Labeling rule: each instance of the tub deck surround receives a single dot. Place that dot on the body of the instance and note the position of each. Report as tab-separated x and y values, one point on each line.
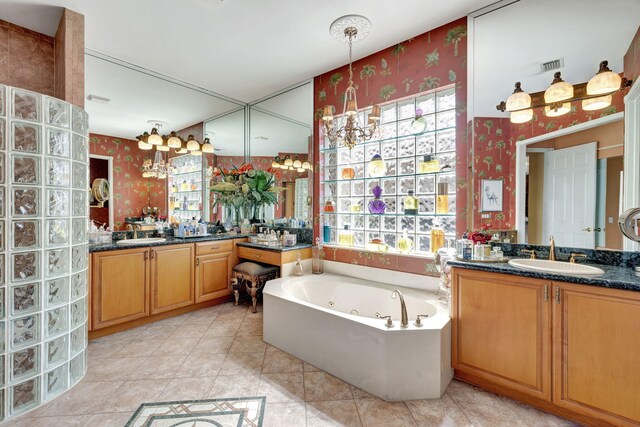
614	277
310	318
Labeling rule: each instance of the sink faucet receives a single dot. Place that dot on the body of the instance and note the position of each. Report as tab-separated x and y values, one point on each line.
135	229
552	249
404	322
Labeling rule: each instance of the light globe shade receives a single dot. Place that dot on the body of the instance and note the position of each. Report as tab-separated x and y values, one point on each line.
521	116
558	91
181	151
605	81
144	146
192	144
275	165
196	153
518	100
163	147
154	138
288	161
596	103
207	147
555	112
300	170
306	165
297	164
174	141
377	167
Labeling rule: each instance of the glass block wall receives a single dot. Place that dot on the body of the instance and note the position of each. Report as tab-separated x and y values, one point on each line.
43	248
402	150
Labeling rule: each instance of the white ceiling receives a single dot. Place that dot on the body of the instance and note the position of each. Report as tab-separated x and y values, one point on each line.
512	42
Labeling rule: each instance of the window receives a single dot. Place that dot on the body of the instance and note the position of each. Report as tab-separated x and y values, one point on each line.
347	188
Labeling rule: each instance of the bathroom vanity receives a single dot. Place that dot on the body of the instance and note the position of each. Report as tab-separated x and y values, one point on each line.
565	344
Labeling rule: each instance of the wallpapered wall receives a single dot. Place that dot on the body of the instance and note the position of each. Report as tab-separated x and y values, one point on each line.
130	192
428	61
26	59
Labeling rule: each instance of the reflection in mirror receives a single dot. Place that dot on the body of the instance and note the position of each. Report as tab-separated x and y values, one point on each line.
280	131
574	187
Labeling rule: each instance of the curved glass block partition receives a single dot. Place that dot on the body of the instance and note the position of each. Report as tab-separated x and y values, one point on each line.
43	248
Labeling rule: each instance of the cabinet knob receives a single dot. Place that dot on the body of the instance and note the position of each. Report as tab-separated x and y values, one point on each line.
256	256
197	261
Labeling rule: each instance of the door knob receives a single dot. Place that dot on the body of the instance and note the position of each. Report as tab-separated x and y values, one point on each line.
588	229
598	229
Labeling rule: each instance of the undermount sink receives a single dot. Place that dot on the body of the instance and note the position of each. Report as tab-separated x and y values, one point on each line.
547	266
141	242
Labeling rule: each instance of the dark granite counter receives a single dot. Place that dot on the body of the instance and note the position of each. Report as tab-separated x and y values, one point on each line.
170	241
614	277
274	248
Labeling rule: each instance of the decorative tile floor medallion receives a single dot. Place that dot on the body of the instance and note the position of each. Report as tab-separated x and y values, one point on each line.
225	412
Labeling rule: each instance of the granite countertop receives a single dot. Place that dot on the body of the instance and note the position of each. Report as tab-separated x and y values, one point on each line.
278	248
614	277
170	241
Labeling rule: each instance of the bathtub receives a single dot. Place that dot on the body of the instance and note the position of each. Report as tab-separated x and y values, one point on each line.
331	321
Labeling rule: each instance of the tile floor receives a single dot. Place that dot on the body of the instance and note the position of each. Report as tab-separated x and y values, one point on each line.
219	352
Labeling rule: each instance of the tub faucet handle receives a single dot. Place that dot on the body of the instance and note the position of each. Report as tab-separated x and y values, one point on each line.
418	321
389	323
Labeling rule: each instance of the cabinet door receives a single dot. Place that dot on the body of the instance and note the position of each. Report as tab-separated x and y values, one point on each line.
212	276
171	277
501	330
119	287
597	352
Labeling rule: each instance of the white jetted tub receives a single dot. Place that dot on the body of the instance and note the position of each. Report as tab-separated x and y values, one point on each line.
331	321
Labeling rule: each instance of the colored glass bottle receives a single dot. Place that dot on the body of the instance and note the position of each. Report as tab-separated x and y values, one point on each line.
405	244
377	206
345	236
410	204
437	238
419	124
442	198
429	164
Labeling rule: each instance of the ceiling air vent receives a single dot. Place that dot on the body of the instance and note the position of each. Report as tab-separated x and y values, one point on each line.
551	65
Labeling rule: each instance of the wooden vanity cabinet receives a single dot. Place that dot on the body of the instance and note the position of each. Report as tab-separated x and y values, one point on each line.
171	277
214	264
119	286
502	331
569	349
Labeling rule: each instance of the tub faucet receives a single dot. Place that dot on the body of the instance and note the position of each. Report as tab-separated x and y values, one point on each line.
404	322
552	249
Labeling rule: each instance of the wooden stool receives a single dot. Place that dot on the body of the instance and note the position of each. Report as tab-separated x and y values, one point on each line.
254	276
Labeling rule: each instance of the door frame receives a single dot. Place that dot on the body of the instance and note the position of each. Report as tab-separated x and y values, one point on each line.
631	172
109	159
521	157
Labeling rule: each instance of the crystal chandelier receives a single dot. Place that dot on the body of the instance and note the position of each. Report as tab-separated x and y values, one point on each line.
347	129
157	169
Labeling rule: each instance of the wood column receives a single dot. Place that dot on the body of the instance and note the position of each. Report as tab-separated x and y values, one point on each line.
69	58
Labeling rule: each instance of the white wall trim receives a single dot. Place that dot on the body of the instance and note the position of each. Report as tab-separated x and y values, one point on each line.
631	173
109	159
521	155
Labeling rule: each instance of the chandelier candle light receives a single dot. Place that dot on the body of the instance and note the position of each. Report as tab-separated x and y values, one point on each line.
347	129
557	98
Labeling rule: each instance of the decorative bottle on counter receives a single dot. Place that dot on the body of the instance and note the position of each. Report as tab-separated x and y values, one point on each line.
377	206
410	204
405	244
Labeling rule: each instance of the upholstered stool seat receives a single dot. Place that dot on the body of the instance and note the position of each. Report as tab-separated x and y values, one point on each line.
254	276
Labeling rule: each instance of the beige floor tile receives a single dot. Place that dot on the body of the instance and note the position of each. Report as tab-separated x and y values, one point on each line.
307	367
231	317
201	365
186	389
85	398
378	413
322	386
230	307
358	393
242	364
117	419
139	348
333	413
253	317
481	407
235	385
112	369
102	349
534	417
60	421
222	330
281	362
158	367
176	346
248	344
190	331
282	387
285	414
157	332
132	394
437	412
250	328
211	345
128	335
172	321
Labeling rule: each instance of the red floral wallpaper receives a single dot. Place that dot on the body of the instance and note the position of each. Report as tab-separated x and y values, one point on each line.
632	59
428	61
130	192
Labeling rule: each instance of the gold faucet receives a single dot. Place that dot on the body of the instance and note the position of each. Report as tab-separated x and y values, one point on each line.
404	319
552	249
135	229
575	255
530	251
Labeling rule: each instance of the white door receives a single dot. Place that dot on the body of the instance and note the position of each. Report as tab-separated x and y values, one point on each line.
569	209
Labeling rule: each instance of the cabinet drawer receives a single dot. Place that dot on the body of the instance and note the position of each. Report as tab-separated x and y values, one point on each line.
266	257
213	247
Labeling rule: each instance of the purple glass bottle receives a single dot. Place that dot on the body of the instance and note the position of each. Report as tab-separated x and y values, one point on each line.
377	206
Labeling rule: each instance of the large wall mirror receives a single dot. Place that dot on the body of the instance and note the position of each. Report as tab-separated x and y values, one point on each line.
280	130
562	176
